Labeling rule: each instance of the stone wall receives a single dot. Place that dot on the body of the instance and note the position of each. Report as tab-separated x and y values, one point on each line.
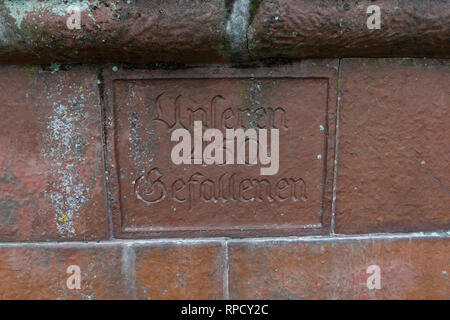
86	177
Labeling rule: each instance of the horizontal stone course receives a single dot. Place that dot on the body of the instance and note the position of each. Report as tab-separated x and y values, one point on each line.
113	271
411	267
389	173
217	31
392	160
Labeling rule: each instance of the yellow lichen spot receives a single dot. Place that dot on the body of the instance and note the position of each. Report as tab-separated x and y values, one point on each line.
63	218
422	162
31	69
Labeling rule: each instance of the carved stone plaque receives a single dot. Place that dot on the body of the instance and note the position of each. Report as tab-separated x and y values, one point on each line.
153	195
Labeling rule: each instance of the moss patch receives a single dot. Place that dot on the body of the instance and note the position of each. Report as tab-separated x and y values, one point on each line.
254	5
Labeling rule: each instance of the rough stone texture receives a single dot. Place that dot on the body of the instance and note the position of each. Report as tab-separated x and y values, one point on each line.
329	28
51	171
141	31
393	171
143	177
410	269
113	271
180	271
316	268
199	31
40	272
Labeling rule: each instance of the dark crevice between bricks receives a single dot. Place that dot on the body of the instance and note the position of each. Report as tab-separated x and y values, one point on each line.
101	93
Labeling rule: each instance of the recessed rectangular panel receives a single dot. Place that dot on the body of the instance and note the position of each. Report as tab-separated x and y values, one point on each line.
155	195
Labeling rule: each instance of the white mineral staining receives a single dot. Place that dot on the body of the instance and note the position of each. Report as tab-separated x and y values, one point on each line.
65	140
237	26
19	9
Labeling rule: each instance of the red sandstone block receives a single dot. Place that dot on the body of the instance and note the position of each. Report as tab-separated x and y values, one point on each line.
51	171
112	271
329	28
134	32
177	271
151	196
40	272
409	269
393	166
211	31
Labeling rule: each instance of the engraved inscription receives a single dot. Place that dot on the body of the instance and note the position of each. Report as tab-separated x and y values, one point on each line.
151	189
168	112
218	183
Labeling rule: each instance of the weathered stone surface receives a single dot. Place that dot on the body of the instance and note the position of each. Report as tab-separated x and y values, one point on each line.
41	272
139	31
321	268
409	269
112	271
329	28
180	271
51	170
198	31
393	171
152	196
